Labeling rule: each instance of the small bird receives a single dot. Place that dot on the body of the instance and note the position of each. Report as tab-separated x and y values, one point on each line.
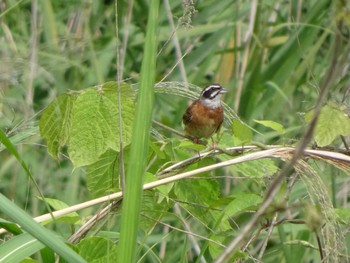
205	115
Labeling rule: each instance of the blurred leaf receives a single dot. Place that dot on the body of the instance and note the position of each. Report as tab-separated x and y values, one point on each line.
276	41
19	247
273	125
197	191
241	202
102	176
332	122
186	144
242	131
36	230
56	204
97	250
343	215
10	226
256	168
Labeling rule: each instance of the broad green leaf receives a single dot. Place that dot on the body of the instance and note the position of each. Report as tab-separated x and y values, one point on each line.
95	122
102	176
273	125
55	123
332	122
56	204
201	194
19	247
97	250
241	202
242	131
201	191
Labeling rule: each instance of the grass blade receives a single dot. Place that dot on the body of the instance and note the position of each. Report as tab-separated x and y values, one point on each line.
140	140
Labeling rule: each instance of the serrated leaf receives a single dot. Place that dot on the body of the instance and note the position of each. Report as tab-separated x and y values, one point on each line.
272	124
55	123
95	125
332	122
242	131
241	203
97	250
102	175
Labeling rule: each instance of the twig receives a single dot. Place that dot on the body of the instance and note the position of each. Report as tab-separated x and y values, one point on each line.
280	152
267	237
84	229
319	243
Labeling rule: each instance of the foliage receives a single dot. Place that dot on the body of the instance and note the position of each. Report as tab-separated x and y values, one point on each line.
71	79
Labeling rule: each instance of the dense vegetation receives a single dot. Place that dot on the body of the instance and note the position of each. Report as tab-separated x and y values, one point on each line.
92	95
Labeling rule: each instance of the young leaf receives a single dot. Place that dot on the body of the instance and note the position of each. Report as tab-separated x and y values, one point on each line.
273	125
56	204
241	203
332	122
242	131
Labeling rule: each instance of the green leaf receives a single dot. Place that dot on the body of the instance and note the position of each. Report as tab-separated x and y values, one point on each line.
97	250
95	125
139	149
242	131
45	236
102	176
241	202
19	247
332	122
186	144
10	226
163	189
197	191
56	204
257	168
343	215
273	125
55	123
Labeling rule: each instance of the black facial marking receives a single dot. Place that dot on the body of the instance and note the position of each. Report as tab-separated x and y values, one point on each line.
211	91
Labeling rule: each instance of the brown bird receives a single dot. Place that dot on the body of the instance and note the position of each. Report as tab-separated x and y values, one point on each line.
205	115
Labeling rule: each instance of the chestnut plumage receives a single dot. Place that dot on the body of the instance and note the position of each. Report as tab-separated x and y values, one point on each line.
205	115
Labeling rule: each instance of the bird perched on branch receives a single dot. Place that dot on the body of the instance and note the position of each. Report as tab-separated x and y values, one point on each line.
205	115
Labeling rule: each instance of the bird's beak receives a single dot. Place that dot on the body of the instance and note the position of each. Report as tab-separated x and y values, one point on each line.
223	91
